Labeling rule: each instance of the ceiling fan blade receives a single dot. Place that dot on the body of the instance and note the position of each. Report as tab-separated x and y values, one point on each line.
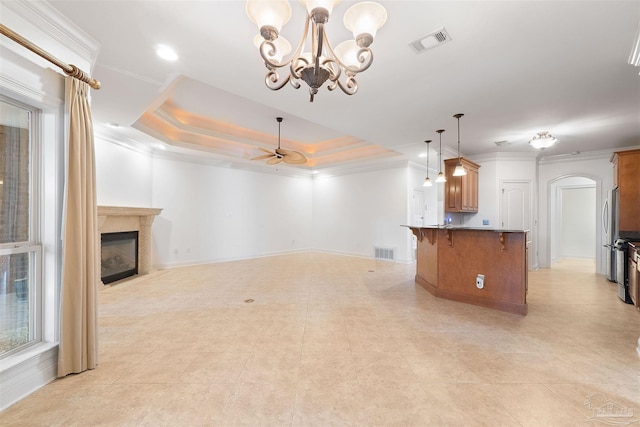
294	157
264	156
265	150
274	160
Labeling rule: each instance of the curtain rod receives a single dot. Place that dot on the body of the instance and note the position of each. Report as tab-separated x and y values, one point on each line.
69	69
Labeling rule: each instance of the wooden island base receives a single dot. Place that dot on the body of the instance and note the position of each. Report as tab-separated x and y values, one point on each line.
449	261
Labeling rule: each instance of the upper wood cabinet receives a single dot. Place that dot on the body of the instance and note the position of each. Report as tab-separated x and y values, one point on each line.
626	176
461	192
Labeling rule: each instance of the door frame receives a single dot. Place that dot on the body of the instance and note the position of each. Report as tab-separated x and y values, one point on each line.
600	260
533	222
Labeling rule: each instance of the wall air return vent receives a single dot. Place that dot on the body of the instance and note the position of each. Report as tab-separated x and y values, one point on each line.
384	253
430	41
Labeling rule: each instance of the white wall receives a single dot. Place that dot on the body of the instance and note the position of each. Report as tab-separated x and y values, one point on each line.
494	169
215	214
354	213
123	176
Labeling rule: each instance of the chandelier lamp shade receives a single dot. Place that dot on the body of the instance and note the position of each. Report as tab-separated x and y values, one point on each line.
542	140
322	63
427	181
440	177
459	170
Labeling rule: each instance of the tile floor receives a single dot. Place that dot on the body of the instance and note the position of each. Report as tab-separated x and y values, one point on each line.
332	340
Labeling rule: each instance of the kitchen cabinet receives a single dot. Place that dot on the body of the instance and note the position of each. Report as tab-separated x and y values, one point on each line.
461	192
626	170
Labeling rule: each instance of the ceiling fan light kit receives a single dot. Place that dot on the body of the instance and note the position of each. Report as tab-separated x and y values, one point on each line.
339	66
280	154
543	140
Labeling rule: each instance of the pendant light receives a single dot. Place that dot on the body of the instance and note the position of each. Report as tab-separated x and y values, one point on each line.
459	170
440	177
427	181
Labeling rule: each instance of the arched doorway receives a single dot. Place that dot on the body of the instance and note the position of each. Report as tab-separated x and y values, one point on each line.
573	222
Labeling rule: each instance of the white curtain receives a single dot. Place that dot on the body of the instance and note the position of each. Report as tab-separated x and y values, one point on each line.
78	349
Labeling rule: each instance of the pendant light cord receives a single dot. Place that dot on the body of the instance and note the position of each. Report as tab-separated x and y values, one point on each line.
458	139
457	116
440	153
428	157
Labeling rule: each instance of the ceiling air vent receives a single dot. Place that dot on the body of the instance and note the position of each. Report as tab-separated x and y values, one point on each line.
430	41
502	143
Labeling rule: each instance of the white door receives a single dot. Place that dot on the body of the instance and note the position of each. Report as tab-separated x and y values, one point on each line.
515	205
418	207
515	209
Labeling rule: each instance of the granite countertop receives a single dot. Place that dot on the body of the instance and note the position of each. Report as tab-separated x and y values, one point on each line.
453	227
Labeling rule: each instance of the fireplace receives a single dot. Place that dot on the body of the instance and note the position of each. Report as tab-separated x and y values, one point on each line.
119	219
118	256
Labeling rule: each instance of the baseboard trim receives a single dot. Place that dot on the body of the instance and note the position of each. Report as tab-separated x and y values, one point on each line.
23	378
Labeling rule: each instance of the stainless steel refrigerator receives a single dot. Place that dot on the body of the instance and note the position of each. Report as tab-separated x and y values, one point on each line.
610	226
616	245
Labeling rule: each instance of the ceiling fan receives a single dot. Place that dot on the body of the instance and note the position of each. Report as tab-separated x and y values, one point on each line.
280	154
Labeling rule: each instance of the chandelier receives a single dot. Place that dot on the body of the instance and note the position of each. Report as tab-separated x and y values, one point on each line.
542	140
339	66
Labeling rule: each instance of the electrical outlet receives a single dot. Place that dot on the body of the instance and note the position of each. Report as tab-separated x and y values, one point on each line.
480	281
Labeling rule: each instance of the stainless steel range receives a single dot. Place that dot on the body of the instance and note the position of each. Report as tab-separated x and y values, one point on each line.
622	269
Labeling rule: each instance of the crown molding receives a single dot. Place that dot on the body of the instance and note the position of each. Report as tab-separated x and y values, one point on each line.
137	147
587	155
504	156
228	163
358	167
50	22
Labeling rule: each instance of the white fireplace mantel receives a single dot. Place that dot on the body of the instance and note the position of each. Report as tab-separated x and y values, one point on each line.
113	219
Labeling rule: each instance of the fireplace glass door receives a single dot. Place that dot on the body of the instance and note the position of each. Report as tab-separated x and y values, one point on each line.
119	256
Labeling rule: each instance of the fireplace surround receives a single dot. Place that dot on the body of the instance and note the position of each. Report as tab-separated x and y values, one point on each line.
117	219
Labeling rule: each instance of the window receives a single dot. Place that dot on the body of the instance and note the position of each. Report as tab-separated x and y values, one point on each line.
20	252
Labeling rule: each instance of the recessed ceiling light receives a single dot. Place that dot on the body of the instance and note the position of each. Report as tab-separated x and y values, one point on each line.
165	52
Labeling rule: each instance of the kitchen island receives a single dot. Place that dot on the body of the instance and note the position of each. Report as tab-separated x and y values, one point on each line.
480	266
